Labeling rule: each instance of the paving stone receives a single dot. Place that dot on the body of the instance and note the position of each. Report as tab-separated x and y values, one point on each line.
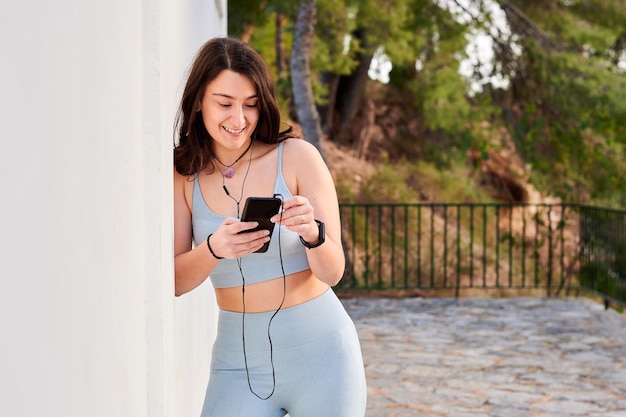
514	357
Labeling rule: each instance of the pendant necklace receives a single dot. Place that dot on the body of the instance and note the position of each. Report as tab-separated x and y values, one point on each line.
229	171
225	174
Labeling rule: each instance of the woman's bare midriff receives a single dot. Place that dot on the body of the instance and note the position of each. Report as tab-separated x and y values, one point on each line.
266	296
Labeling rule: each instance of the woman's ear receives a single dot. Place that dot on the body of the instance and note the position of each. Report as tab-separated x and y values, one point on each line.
197	105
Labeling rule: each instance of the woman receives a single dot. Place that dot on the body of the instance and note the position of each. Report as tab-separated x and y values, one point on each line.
284	344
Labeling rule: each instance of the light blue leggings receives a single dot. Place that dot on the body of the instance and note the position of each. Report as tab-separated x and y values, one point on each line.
317	361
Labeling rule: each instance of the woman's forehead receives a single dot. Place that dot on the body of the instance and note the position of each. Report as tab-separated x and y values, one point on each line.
232	84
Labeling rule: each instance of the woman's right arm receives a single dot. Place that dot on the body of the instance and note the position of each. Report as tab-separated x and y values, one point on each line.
191	266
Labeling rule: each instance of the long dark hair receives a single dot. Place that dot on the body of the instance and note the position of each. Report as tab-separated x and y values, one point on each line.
194	152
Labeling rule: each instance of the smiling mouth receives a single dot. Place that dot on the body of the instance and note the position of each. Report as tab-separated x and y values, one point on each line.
234	131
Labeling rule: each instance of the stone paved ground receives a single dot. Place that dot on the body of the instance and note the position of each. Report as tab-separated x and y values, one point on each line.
515	357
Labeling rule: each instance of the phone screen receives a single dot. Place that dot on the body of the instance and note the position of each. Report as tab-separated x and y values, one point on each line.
260	209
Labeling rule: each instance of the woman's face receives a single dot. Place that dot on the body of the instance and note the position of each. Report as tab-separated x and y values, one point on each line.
230	110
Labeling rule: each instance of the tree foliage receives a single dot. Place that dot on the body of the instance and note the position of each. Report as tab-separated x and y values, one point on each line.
568	97
555	79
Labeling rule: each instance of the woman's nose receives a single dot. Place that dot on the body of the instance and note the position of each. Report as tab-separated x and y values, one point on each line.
238	118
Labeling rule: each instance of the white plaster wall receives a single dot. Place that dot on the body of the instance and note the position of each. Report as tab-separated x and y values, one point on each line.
88	322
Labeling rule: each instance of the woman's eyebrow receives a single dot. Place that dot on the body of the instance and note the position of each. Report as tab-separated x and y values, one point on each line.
232	98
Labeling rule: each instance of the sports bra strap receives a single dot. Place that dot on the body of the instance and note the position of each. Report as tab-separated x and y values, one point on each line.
280	156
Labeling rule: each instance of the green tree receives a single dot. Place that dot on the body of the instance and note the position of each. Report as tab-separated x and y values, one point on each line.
556	82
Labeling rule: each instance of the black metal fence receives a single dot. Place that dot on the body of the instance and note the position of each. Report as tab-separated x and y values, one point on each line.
543	249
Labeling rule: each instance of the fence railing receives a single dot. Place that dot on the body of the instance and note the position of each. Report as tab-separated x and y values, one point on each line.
547	249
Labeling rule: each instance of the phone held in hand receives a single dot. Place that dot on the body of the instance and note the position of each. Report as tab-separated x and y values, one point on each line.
260	210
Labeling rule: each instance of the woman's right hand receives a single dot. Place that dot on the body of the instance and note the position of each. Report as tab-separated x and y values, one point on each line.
231	240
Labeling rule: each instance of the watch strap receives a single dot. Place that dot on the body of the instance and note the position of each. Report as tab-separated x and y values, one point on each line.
321	239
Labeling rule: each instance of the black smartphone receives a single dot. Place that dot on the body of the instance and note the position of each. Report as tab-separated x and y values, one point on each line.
260	209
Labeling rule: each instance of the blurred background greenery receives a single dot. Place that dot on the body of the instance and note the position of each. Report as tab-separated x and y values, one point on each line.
459	100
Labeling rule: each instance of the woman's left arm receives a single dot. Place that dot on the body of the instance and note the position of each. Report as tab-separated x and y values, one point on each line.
315	198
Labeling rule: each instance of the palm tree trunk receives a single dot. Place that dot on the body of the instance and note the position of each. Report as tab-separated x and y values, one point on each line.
280	45
301	74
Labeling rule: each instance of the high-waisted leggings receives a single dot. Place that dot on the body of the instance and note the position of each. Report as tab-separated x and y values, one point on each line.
317	364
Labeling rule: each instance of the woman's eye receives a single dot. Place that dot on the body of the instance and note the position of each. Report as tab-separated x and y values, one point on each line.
252	106
224	105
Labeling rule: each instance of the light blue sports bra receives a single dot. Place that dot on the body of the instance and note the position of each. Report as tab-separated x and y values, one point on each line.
256	267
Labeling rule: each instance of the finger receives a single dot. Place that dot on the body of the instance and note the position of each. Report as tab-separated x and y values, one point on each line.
301	219
245	237
243	243
253	242
294	201
229	221
256	244
244	227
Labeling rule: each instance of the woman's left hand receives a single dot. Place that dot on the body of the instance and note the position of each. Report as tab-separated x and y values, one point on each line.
298	216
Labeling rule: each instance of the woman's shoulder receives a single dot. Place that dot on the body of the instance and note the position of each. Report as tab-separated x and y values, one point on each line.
184	183
183	178
302	157
298	146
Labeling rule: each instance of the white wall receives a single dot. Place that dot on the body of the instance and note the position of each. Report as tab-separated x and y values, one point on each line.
89	325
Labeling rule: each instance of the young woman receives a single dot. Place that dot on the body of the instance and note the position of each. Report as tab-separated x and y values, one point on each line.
284	344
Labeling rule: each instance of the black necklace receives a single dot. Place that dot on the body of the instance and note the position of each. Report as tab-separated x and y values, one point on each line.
243	183
229	171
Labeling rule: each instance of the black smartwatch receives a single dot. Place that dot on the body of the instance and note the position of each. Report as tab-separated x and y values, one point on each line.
321	239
